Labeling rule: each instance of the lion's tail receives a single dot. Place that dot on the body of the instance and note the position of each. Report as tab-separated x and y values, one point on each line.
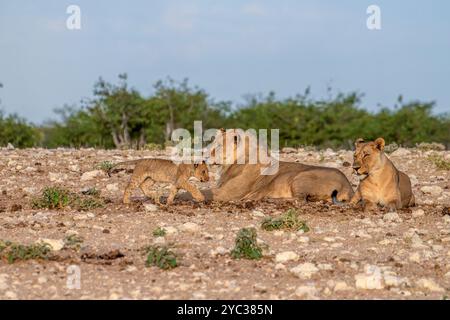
124	163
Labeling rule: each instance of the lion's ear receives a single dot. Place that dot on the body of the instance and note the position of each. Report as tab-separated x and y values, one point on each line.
359	141
195	165
380	143
222	130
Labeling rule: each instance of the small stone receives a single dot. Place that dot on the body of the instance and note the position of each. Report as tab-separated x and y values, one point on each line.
306	292
219	251
341	286
258	213
286	256
418	213
42	280
415	257
57	177
370	279
112	187
304	270
430	285
91	175
55	244
432	190
150	207
303	239
9	146
170	230
392	217
190	227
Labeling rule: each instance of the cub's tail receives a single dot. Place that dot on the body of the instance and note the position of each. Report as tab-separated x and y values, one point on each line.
124	163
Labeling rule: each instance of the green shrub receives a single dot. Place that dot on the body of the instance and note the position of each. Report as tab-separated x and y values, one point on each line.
73	241
439	162
105	166
14	251
159	232
246	245
53	198
287	221
161	257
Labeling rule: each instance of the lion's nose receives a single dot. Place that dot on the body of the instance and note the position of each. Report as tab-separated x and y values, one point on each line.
356	166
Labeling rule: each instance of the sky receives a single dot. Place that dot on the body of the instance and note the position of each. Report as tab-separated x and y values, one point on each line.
229	48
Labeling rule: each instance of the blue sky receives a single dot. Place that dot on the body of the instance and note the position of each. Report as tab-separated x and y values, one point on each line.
229	48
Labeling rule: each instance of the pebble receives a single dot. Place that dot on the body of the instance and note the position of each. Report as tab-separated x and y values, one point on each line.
342	286
286	256
55	244
418	213
392	217
150	207
304	270
190	227
91	175
432	190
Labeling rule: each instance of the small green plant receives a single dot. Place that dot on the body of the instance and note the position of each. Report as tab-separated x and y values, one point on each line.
153	147
159	232
53	198
246	245
73	241
161	257
89	203
105	166
439	162
287	221
14	251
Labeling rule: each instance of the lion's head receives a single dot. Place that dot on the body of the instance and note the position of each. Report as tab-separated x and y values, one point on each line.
367	156
201	171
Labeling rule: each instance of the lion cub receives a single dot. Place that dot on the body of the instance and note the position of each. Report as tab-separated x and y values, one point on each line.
149	171
380	181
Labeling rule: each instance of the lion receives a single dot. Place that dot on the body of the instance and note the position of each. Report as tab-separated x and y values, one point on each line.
241	180
380	181
149	171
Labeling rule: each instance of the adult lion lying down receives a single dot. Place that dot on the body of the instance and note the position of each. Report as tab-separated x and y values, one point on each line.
381	182
291	180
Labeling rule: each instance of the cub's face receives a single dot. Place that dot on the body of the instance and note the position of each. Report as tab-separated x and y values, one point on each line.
367	156
223	149
201	172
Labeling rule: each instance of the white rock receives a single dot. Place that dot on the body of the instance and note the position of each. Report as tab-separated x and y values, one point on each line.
190	227
304	270
303	239
415	257
91	175
9	146
400	152
286	256
150	207
55	244
219	251
171	230
342	286
258	213
306	292
392	217
370	279
112	187
57	177
430	285
431	190
418	213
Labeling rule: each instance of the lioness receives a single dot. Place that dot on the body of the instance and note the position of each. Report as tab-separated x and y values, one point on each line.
149	171
381	182
291	180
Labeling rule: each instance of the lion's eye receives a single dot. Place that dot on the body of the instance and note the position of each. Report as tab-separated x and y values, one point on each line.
366	155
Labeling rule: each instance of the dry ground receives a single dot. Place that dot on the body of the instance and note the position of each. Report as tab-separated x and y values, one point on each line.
347	253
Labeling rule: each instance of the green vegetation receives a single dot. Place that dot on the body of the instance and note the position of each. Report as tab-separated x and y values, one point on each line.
105	166
159	232
73	241
161	257
118	116
287	221
14	251
59	198
53	198
439	162
246	245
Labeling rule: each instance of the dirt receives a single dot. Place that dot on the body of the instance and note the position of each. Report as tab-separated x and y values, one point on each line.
347	254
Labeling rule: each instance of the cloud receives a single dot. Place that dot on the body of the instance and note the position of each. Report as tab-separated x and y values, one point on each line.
180	17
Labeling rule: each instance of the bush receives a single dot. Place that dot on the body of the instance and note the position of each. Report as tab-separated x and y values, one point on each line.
53	198
246	245
288	221
14	251
439	162
160	257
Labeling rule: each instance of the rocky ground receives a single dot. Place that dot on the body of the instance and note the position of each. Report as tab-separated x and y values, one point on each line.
347	254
